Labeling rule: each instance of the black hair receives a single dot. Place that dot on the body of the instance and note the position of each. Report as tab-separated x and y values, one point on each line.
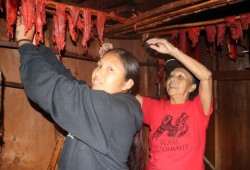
131	66
196	81
138	153
136	158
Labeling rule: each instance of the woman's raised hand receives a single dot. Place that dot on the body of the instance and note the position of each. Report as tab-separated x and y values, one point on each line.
105	47
21	37
161	45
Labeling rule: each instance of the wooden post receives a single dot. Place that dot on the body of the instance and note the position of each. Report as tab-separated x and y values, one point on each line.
216	127
56	152
0	93
1	116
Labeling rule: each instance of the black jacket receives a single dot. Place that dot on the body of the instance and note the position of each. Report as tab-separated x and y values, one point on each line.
101	126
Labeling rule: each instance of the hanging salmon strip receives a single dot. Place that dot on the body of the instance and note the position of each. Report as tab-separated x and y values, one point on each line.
72	22
235	27
183	40
174	33
74	12
1	5
59	27
210	33
232	49
87	27
11	15
101	18
27	10
40	19
80	23
221	31
245	20
193	34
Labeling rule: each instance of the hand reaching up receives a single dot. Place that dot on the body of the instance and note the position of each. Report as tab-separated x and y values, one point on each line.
105	47
161	45
21	38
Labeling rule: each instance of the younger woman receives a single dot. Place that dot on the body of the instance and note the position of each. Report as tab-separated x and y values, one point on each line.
101	121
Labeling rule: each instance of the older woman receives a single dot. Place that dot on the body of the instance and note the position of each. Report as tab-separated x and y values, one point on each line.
178	126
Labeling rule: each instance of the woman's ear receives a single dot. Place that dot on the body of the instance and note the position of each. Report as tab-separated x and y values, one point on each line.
193	87
128	85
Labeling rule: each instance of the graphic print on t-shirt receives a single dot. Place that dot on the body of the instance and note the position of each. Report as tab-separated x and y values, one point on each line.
178	129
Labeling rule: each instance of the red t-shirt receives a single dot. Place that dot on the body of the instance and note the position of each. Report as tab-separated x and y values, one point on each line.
177	134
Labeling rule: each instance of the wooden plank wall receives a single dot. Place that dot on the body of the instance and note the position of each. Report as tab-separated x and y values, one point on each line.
29	135
25	131
234	124
233	94
1	114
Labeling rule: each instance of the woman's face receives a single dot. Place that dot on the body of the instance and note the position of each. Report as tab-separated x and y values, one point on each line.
180	83
109	75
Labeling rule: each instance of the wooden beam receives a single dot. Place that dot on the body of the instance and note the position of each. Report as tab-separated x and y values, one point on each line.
11	84
8	44
152	23
231	75
129	24
167	29
167	17
111	16
13	45
127	37
68	54
217	75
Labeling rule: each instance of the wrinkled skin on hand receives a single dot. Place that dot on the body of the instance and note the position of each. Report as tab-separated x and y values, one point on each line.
20	31
105	47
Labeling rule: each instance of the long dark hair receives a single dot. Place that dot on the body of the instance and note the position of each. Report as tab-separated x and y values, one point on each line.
196	81
137	156
136	159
